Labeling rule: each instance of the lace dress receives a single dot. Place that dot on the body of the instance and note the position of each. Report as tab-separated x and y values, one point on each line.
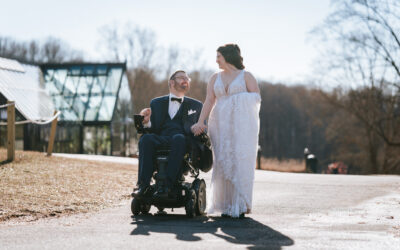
233	128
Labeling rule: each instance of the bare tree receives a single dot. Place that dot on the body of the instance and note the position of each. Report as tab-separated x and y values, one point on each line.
33	51
52	50
364	59
129	43
111	40
173	54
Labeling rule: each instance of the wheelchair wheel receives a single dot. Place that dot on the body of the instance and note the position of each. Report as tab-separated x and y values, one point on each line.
145	208
199	187
135	206
190	206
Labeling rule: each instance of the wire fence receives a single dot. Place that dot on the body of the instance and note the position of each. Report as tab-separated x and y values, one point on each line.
38	122
6	105
11	129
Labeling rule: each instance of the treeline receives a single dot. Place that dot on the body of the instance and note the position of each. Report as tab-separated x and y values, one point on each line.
51	50
334	125
295	117
288	125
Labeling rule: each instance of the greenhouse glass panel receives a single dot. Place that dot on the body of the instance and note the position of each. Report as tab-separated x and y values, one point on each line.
60	75
75	71
107	108
91	112
114	80
51	88
70	86
90	90
101	70
49	76
103	83
96	87
84	85
88	70
124	92
79	107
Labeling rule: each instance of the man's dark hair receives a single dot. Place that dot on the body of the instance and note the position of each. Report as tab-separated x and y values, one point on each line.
175	73
231	53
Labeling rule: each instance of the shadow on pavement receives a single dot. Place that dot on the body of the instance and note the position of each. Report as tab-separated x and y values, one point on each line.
237	231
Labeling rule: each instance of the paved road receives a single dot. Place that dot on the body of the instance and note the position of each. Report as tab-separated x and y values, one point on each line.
293	211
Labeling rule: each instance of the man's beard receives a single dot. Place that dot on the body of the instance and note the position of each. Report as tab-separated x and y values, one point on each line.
181	88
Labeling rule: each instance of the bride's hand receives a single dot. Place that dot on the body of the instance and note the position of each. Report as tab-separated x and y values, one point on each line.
198	128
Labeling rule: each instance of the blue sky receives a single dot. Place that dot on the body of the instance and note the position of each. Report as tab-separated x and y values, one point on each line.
271	34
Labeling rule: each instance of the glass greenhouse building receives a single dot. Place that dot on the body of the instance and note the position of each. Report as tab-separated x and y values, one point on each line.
96	110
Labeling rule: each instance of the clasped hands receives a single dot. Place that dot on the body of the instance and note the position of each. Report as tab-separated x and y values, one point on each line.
198	128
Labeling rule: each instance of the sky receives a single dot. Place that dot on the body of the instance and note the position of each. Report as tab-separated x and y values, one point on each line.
273	35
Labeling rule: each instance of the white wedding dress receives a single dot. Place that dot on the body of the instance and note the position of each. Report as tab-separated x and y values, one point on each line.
233	127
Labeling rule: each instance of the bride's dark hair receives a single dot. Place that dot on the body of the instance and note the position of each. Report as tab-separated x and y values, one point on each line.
231	53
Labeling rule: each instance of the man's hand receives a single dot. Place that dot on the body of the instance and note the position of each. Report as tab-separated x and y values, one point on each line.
146	113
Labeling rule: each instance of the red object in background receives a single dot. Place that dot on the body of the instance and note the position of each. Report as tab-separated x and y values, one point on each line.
337	168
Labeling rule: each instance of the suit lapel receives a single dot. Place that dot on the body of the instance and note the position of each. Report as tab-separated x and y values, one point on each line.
184	108
164	109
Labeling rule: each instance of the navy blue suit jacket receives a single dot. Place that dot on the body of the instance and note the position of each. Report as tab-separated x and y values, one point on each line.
159	112
201	149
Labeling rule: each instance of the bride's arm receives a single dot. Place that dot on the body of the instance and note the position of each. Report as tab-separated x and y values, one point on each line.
200	126
210	100
251	83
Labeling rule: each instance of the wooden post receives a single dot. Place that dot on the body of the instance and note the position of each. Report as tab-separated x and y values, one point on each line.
11	131
52	135
259	157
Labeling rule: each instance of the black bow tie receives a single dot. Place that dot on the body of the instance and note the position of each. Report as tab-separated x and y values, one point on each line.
176	99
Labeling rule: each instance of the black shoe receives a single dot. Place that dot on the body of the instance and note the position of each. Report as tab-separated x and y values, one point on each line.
140	192
241	216
225	216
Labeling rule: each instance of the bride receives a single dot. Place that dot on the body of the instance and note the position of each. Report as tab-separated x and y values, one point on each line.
232	104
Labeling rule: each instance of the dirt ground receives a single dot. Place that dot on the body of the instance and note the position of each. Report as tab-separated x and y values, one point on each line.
36	186
293	166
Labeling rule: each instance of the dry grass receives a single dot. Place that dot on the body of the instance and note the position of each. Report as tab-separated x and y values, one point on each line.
35	186
282	166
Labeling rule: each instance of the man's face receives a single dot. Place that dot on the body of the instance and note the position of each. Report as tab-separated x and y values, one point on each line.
181	83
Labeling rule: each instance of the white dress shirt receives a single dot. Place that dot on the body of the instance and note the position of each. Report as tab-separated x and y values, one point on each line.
173	108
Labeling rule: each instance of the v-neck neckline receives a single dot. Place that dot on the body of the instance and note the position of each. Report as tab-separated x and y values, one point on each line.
228	86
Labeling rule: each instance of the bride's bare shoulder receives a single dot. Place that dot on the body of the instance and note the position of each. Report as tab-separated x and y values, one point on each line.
248	75
213	78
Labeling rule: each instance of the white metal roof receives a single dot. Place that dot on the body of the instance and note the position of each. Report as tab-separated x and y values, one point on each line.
11	65
22	83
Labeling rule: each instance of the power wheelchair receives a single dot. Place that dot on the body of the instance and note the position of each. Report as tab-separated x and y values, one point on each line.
191	195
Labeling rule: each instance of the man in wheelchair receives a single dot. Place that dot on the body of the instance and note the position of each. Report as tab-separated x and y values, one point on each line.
167	140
